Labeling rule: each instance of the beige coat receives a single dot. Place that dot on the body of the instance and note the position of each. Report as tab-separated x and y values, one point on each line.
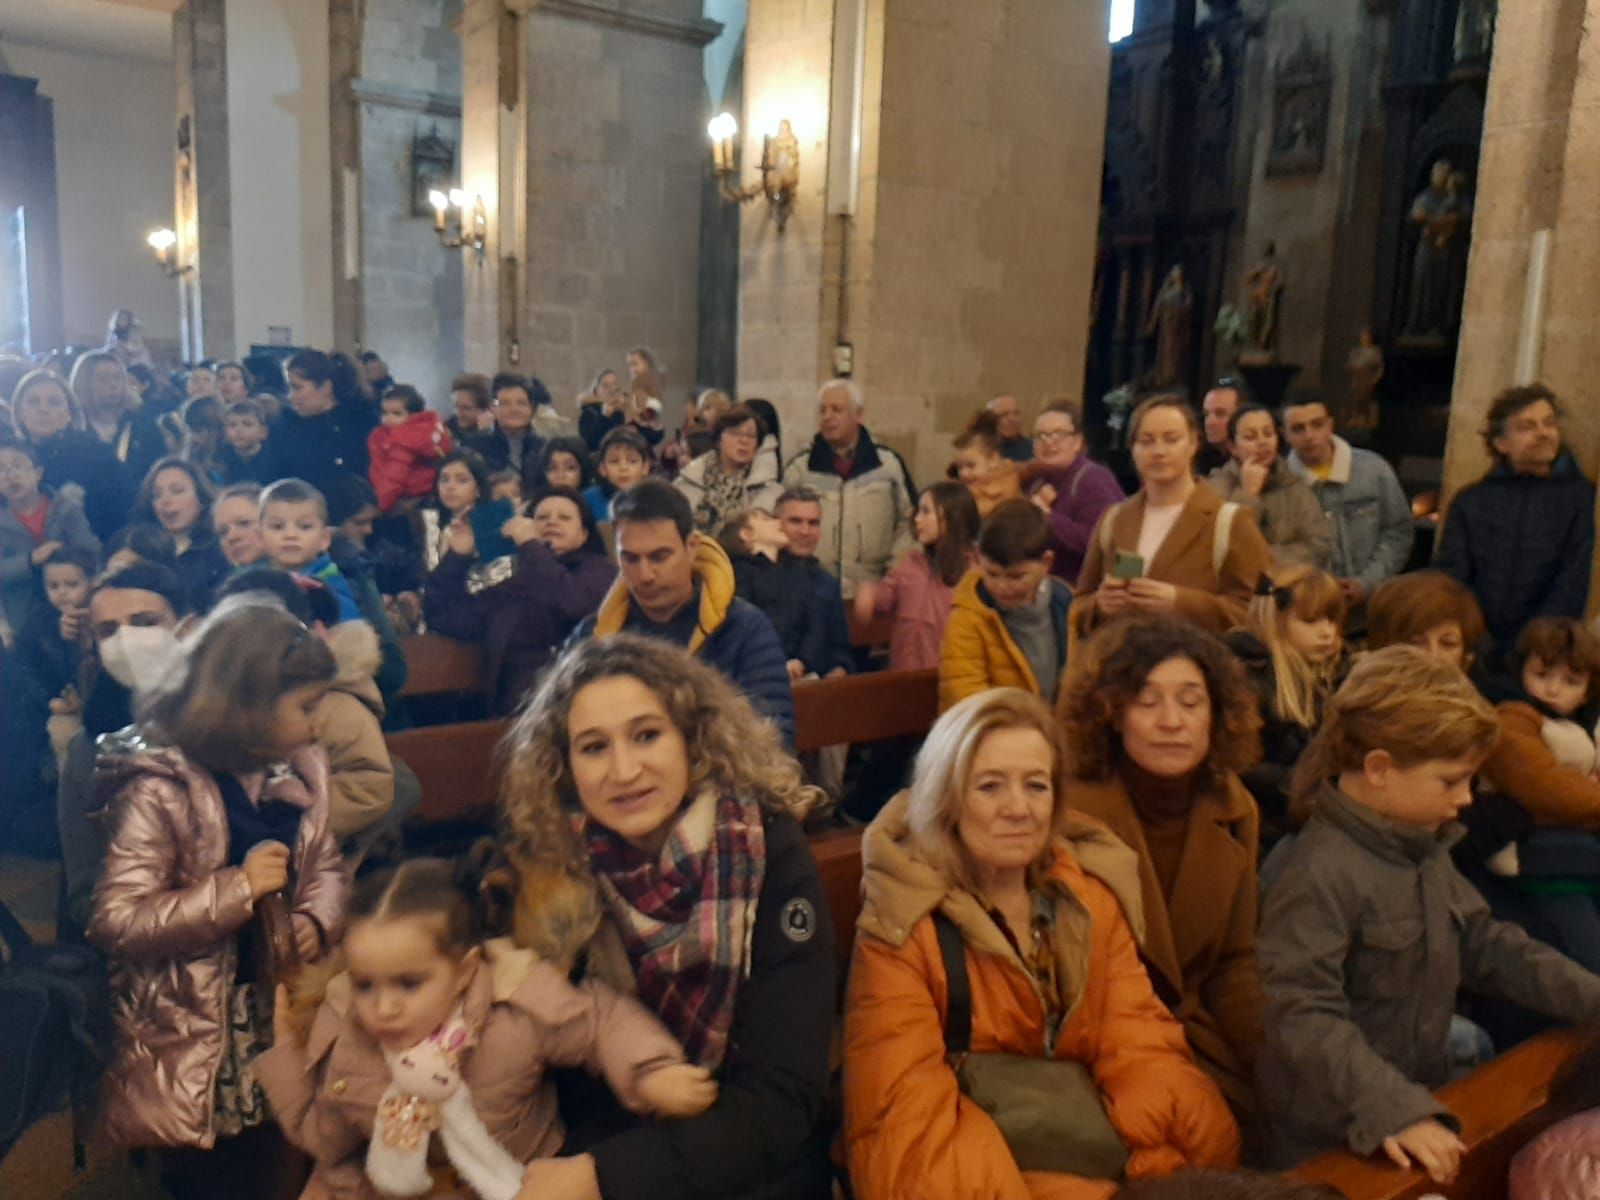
1201	945
346	726
165	912
325	1093
1212	600
1286	511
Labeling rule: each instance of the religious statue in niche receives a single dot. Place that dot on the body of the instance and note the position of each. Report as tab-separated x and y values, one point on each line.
1263	299
1302	91
1440	214
1474	34
1172	324
1364	369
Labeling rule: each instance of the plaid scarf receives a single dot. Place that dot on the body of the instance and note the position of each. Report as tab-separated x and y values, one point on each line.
687	915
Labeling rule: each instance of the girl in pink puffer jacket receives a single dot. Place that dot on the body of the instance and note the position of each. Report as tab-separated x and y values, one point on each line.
218	801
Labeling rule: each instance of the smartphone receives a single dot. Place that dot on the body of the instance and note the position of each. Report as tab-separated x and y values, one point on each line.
1127	566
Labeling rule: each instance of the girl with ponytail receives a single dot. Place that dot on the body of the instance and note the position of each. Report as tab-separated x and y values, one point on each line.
322	435
434	1028
1369	930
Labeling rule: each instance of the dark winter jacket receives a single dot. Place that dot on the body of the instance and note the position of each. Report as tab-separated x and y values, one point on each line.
784	594
774	1081
824	587
594	424
1524	545
202	567
1365	938
137	444
322	448
361	575
495	450
73	456
722	630
49	659
262	467
522	621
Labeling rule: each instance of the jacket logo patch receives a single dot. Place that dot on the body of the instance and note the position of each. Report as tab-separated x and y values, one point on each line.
799	920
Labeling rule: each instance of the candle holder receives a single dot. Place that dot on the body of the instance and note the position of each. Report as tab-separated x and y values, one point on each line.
780	166
164	242
459	223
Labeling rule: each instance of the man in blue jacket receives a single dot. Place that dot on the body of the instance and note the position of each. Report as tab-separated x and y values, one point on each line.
678	586
1522	538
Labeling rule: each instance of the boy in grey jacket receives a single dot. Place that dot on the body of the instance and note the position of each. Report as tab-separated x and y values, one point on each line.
1370	930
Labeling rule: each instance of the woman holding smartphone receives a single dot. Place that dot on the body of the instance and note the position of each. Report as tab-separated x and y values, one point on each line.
1174	547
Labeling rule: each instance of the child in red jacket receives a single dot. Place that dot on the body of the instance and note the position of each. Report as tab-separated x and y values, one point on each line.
405	448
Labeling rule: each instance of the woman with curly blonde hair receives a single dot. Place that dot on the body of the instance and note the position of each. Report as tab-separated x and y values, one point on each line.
653	819
1159	720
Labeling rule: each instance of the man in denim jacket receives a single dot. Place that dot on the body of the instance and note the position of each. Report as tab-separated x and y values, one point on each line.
1359	491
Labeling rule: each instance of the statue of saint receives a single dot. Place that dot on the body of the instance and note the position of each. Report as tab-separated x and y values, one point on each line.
1263	298
1364	368
1438	213
1474	36
1172	323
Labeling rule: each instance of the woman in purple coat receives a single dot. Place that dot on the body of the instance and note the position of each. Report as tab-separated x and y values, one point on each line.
521	610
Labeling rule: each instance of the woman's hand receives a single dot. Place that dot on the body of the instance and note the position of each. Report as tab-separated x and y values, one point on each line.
560	1179
1044	498
266	869
681	1090
1151	596
520	530
1113	598
460	540
307	938
1253	476
1428	1145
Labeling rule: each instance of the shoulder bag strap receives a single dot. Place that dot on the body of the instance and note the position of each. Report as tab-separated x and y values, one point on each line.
1221	535
958	1014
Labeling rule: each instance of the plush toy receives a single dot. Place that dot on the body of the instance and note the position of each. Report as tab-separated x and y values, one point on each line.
428	1095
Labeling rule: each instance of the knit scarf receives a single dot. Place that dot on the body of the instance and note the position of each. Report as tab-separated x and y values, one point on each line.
687	915
428	1095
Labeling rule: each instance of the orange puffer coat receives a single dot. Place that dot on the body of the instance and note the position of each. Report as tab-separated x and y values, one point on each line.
165	912
910	1134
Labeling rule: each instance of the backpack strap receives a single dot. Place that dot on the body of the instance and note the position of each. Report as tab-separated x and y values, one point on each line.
958	1010
1221	535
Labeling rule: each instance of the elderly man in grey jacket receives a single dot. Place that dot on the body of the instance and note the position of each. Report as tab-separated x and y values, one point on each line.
1372	525
867	495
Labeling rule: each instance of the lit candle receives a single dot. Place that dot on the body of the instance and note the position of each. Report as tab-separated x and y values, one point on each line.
440	202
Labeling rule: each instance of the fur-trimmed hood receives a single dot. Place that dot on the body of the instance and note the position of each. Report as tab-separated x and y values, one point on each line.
357	653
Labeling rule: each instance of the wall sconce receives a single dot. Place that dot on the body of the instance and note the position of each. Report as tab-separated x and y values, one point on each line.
459	228
165	244
780	166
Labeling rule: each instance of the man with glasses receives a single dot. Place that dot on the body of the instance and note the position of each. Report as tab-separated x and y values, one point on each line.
1522	537
1372	529
1070	489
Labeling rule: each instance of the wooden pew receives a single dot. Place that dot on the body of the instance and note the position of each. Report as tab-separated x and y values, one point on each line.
439	665
457	766
838	855
1502	1106
856	709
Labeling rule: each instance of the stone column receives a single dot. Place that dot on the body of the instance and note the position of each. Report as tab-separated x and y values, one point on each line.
204	208
491	79
966	267
345	21
612	143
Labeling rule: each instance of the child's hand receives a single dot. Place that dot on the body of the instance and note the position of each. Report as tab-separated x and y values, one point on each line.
796	668
67	703
1428	1145
681	1090
1044	498
266	869
307	939
72	620
43	551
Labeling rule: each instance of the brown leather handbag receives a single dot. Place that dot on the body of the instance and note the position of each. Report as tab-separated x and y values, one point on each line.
279	953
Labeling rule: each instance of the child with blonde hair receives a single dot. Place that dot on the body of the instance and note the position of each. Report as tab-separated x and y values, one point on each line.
1292	646
1370	930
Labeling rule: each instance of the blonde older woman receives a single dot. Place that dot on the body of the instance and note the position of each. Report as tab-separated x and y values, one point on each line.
645	799
1048	922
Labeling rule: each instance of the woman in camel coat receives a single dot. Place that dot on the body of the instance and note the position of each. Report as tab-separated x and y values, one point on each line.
1159	719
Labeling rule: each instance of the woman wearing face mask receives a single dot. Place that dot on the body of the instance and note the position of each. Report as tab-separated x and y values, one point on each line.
1159	720
560	576
177	497
47	415
1258	480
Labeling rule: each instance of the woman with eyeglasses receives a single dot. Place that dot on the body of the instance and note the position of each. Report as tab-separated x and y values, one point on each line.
1067	486
731	476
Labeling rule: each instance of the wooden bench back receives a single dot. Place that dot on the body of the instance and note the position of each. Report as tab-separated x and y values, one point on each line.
857	709
439	665
457	767
1502	1107
838	855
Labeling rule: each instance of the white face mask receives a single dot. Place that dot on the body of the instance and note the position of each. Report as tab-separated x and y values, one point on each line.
136	656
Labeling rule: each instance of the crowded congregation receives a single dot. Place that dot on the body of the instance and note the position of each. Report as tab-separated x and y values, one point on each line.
552	741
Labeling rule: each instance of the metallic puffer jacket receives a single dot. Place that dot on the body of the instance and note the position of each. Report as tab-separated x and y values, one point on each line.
165	911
